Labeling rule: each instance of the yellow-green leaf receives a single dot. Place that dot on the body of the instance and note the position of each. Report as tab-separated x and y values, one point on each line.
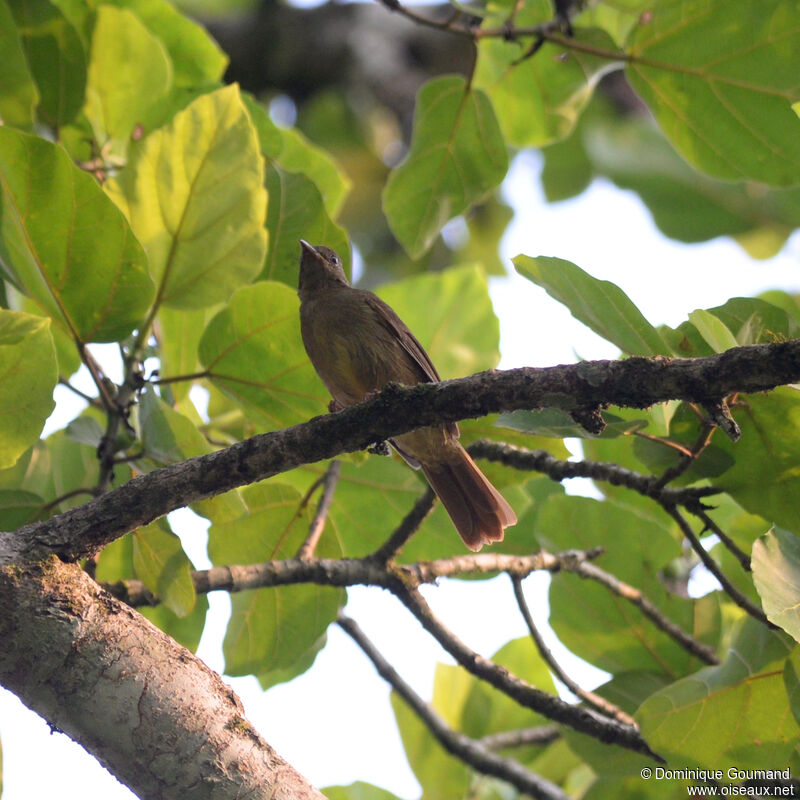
457	156
194	193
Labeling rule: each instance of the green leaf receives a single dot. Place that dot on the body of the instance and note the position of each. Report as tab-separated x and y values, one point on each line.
539	99
719	78
28	376
252	350
764	478
116	563
686	205
295	212
452	316
161	564
558	424
601	305
743	700
55	58
195	197
196	57
167	435
272	630
65	244
601	627
85	430
358	791
18	93
129	70
713	330
439	773
18	508
457	156
297	154
617	18
179	333
776	572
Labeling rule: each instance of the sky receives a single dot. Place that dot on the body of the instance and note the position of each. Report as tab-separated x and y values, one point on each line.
606	232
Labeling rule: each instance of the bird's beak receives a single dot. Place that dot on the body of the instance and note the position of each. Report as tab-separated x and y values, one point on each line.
309	248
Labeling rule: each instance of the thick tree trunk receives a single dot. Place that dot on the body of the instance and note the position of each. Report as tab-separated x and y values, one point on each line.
151	712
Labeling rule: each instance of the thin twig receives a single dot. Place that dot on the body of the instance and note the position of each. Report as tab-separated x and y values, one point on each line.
689	458
475	753
446	24
329	481
558	470
600	703
406	529
741	600
366	571
505	740
700	512
92	401
681	448
585	720
193	376
635	596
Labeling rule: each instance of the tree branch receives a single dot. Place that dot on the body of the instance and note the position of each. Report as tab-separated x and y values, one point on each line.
581	719
600	703
73	653
473	752
638	382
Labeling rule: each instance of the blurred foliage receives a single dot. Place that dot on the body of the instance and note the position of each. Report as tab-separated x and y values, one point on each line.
147	202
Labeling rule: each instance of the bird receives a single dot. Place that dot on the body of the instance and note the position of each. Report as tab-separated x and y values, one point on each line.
358	344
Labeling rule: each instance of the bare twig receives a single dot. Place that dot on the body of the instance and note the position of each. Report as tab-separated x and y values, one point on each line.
541	734
475	753
406	529
682	464
194	376
542	461
635	596
600	703
92	401
710	525
355	572
741	600
329	481
585	720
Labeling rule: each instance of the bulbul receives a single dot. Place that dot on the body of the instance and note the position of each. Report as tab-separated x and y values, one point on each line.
357	345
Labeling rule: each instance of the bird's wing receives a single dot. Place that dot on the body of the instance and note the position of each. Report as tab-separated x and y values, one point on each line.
411	345
407	340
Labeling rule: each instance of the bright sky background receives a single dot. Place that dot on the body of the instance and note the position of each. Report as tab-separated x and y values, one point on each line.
609	234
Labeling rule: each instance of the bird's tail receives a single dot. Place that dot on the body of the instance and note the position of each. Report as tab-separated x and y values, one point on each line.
478	510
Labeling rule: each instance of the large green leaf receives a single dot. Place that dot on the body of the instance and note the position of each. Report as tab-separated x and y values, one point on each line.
686	205
296	211
358	791
129	70
601	305
65	244
18	508
539	99
196	57
457	156
163	567
720	78
116	563
764	478
28	376
452	316
195	197
252	350
742	701
55	58
439	773
297	154
18	93
776	572
601	627
273	631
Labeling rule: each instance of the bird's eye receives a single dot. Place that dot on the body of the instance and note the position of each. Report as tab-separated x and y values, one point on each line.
335	261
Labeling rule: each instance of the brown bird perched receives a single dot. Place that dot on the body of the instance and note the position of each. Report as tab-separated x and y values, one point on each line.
357	345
